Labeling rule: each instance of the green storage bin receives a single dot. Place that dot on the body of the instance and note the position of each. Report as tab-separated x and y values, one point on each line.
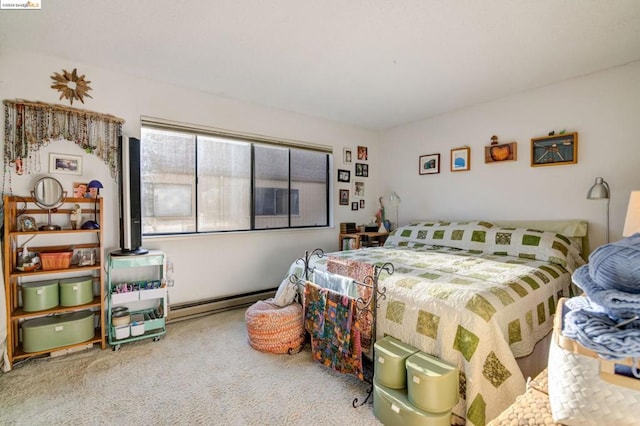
76	291
432	383
41	334
390	356
40	295
392	407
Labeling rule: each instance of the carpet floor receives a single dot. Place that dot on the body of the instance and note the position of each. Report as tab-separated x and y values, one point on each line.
202	371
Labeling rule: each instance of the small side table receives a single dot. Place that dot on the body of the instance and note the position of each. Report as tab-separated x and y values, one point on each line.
362	239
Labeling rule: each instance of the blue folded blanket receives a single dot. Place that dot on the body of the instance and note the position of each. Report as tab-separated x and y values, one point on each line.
595	330
616	266
617	304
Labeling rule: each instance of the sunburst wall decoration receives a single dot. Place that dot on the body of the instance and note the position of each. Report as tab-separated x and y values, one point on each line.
71	86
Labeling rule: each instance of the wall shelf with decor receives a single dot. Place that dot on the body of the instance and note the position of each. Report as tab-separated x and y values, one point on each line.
56	305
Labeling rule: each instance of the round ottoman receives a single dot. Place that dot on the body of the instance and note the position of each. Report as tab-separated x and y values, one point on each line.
275	329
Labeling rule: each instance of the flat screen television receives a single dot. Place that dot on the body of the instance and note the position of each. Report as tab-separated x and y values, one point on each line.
130	198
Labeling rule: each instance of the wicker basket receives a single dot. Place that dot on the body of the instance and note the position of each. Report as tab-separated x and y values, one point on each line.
275	329
56	260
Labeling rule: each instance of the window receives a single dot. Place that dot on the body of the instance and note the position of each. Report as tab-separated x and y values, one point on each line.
196	181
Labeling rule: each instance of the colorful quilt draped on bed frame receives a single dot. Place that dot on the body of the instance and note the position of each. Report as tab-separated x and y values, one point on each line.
472	294
331	320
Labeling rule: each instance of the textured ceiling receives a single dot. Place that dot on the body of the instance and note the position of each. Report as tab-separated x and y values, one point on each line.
374	64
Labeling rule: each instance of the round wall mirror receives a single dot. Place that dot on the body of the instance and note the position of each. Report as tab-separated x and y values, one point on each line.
48	194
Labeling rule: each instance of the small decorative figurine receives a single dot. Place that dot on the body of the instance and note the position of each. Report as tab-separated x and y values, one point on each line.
76	216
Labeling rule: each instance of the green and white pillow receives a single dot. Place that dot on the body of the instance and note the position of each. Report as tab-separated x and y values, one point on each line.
486	237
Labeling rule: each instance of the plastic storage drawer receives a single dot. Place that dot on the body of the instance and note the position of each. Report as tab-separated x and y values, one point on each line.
40	295
76	291
432	383
390	356
392	407
41	334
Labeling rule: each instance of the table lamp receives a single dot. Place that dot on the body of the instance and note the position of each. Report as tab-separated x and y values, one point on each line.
94	190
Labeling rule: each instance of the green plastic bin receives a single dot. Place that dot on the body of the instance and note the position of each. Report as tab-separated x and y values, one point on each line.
76	291
392	407
41	334
432	383
40	295
390	357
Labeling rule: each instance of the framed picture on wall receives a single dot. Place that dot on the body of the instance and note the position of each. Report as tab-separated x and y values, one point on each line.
554	150
344	175
497	153
354	205
429	164
363	153
344	197
461	159
347	156
65	164
362	169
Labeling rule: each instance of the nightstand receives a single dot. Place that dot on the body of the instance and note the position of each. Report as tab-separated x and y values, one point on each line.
357	240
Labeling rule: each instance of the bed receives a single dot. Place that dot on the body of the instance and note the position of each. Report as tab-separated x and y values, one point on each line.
476	294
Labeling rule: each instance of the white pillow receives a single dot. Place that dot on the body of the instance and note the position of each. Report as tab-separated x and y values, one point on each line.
286	293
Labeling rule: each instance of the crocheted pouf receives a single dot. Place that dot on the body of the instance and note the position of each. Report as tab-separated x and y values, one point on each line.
275	329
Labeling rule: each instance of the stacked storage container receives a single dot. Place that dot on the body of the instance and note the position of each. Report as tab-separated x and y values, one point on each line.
52	331
412	387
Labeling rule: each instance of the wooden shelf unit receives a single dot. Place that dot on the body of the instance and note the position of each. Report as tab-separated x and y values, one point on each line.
362	239
14	239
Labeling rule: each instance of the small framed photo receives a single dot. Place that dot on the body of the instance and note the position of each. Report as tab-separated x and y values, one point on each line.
80	190
344	197
362	170
554	150
344	175
27	223
496	153
347	156
461	159
354	205
429	164
363	153
65	164
359	190
362	204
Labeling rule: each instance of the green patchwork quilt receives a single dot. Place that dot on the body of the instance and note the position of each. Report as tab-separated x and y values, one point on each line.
478	304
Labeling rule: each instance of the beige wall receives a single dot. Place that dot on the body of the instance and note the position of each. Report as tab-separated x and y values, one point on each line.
206	266
604	108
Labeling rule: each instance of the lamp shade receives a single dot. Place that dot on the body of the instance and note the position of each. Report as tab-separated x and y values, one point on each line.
394	198
632	220
95	184
599	190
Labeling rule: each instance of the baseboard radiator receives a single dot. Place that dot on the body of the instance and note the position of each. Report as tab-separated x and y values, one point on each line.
189	310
